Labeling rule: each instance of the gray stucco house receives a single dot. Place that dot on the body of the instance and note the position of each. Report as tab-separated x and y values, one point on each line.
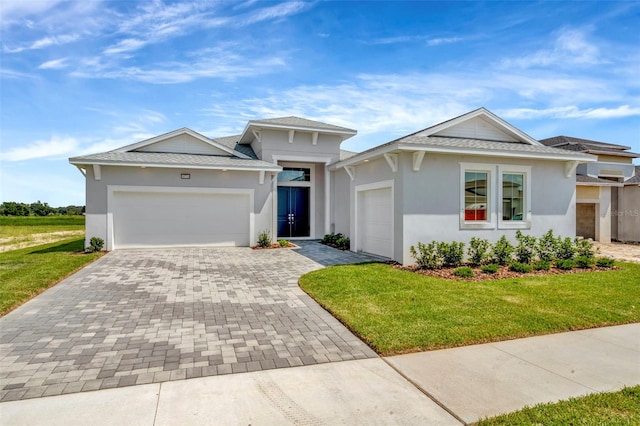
473	175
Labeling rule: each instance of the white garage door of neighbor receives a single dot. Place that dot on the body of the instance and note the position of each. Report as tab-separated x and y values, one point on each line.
155	219
375	230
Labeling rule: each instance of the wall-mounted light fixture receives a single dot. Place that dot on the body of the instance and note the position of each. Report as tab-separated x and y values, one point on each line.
185	176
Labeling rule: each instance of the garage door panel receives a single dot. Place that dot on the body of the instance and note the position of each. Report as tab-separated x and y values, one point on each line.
148	219
375	227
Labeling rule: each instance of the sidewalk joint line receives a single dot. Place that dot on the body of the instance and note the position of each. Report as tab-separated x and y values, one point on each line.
425	392
155	415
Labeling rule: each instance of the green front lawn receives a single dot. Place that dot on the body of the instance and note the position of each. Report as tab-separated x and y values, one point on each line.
398	311
19	226
27	272
615	408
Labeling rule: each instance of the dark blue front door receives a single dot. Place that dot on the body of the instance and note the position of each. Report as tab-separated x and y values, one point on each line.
293	212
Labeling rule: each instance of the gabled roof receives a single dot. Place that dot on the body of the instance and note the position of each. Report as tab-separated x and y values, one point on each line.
156	159
233	143
293	123
145	143
519	145
635	180
589	146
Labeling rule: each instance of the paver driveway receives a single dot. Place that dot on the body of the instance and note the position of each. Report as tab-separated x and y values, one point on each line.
148	316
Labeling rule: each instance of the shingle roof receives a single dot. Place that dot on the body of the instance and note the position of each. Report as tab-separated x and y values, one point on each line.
344	154
168	159
302	122
635	179
479	144
232	142
590	179
586	145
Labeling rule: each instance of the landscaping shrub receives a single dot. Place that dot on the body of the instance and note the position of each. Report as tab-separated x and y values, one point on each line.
331	238
526	248
491	268
264	239
584	262
283	243
541	265
478	251
343	243
451	253
565	249
463	272
519	267
502	251
95	244
426	255
565	264
584	248
547	247
605	262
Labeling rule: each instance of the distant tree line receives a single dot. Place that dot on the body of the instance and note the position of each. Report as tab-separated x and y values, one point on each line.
11	208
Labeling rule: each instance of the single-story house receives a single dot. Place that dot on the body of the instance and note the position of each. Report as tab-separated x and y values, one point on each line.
473	175
607	194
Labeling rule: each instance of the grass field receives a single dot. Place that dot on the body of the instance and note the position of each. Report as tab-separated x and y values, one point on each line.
397	311
27	272
21	232
614	408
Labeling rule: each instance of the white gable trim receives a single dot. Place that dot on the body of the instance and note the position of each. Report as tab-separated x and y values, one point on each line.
183	131
488	115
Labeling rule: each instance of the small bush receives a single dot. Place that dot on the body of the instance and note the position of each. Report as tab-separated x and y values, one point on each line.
463	272
547	247
451	253
584	248
565	264
283	243
491	268
519	267
605	262
426	255
526	248
331	238
502	251
541	265
95	244
565	249
478	251
584	262
343	243
264	239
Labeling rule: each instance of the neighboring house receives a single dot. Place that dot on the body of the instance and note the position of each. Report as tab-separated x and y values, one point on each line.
474	175
607	197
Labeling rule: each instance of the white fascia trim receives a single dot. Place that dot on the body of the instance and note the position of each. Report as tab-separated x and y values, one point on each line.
504	154
177	132
112	189
303	128
275	168
300	158
612	184
487	114
359	158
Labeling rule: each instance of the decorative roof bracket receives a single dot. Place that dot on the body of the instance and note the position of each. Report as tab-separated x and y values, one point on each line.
351	171
392	159
418	156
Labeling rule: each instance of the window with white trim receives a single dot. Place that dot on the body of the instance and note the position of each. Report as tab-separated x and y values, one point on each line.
495	196
514	193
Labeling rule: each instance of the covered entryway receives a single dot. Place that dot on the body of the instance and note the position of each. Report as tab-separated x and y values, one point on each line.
180	217
293	212
374	218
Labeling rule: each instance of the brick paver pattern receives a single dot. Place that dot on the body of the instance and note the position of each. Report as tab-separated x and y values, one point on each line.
149	316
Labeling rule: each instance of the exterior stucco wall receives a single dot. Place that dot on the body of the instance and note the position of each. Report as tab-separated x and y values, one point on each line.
340	202
629	214
96	190
276	142
431	201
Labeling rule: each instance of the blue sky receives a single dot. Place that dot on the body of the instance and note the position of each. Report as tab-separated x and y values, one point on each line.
81	77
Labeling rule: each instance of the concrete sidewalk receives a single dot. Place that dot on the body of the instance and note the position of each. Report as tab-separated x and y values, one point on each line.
479	381
470	383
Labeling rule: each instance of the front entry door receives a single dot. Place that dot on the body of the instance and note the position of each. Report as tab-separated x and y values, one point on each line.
293	212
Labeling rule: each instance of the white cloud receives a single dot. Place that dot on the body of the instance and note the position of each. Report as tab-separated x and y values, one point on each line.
443	40
54	147
44	42
55	64
571	111
14	11
431	41
570	48
277	11
126	45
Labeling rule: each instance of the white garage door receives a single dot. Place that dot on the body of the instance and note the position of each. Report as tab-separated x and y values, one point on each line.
375	230
155	219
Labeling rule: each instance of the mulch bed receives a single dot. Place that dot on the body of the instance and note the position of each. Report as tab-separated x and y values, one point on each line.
502	273
274	246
